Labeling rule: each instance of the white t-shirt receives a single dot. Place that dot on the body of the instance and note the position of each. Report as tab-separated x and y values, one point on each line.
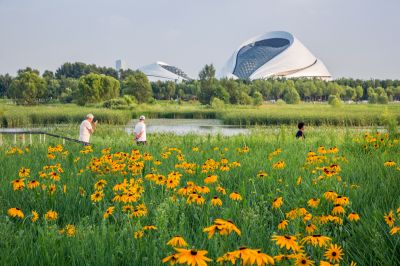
84	134
140	128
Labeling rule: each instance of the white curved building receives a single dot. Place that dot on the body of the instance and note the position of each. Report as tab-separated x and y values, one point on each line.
160	71
274	54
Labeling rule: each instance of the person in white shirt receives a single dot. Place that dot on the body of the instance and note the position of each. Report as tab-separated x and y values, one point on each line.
140	131
86	129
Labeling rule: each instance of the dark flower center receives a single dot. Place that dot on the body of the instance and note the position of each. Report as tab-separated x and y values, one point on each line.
288	237
193	252
334	254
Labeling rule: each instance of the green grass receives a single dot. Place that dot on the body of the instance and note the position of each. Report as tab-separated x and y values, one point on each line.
111	241
270	114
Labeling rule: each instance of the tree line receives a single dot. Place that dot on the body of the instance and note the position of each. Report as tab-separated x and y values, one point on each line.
90	84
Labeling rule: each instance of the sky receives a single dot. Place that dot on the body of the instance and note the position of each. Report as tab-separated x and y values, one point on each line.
354	38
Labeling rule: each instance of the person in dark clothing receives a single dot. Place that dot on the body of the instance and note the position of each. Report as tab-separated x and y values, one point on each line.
300	133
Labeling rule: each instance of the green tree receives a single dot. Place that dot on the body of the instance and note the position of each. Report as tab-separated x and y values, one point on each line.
28	88
207	73
94	88
349	93
291	96
359	93
138	85
5	83
257	99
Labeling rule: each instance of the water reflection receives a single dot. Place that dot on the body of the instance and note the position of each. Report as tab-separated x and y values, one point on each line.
189	126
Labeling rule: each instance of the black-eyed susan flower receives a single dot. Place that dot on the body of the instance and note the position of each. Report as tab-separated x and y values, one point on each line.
353	217
172	259
235	196
18	184
33	184
277	203
35	216
338	209
99	185
215	201
395	230
177	241
51	215
223	227
334	253
97	196
310	229
279	165
221	190
389	219
303	261
313	203
390	163
341	200
70	230
15	212
108	212
286	241
262	174
24	172
211	179
330	195
283	224
316	240
192	257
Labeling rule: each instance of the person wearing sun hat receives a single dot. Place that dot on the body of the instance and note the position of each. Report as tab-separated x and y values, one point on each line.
86	128
140	131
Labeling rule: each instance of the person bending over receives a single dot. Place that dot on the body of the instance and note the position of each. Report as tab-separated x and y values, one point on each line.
86	128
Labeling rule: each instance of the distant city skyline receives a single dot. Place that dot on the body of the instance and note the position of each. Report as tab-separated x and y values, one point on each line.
357	38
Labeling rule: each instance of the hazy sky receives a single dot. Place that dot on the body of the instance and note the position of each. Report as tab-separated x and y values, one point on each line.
354	38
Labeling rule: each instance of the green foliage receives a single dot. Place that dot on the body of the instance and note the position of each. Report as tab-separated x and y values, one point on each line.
94	88
28	88
291	96
217	103
137	85
334	100
257	99
280	102
383	99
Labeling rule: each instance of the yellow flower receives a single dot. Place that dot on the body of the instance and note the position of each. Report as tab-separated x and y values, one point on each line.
100	184
389	219
279	165
277	203
311	228
395	230
216	201
286	241
24	172
338	209
108	212
33	184
51	215
16	212
235	196
330	195
177	241
223	227
70	230
262	174
389	163
35	216
18	184
283	224
192	257
353	217
301	260
97	196
316	240
313	203
334	253
211	179
138	234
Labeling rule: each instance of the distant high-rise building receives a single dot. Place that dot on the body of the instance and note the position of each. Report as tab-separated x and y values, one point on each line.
120	64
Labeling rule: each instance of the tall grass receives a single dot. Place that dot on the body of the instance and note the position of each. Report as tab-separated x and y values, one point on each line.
111	241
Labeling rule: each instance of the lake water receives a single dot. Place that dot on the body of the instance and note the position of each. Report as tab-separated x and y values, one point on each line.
188	126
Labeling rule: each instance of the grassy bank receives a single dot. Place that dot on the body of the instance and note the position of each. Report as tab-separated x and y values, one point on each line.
82	233
270	114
